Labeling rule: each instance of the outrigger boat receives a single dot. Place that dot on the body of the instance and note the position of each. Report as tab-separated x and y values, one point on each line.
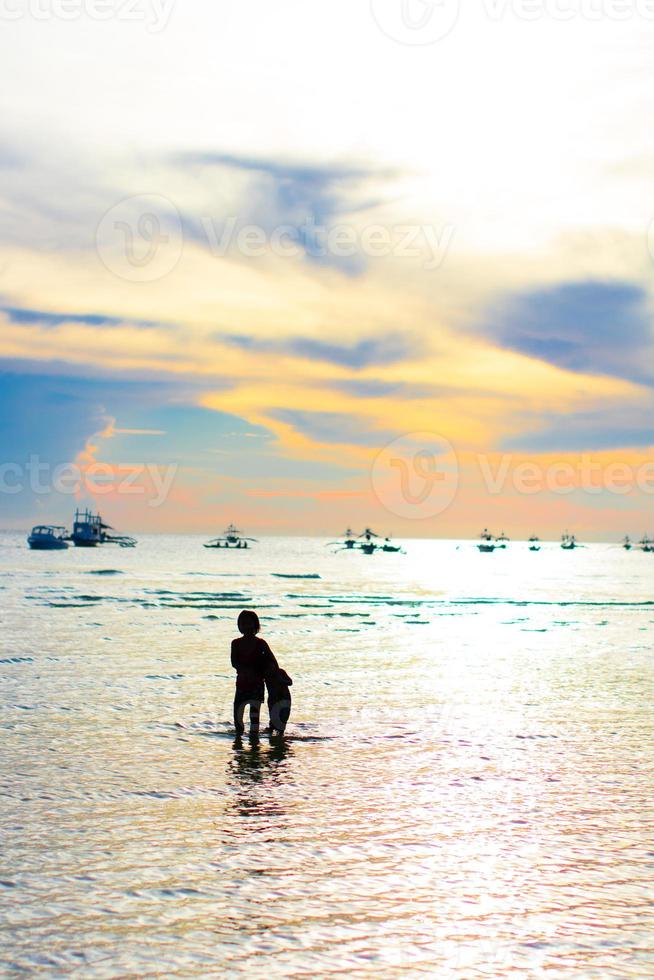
89	530
230	538
626	544
348	543
646	544
487	542
534	543
366	542
502	541
568	542
389	546
368	546
48	537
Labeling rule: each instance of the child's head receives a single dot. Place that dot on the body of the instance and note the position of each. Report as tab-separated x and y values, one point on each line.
248	623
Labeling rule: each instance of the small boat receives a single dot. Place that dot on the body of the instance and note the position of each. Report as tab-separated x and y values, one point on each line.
348	543
534	543
366	542
230	538
626	544
48	537
568	542
89	530
486	543
368	545
646	544
502	541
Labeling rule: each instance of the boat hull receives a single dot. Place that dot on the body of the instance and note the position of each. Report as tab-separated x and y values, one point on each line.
47	545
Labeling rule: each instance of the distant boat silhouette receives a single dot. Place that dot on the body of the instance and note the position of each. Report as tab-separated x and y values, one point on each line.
487	543
230	538
349	541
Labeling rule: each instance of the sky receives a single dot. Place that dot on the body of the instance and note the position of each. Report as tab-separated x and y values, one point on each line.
303	266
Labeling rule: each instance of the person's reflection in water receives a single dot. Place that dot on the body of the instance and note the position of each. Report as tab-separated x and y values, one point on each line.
256	772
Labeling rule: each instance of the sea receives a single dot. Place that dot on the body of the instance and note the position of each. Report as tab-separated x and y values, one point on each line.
465	790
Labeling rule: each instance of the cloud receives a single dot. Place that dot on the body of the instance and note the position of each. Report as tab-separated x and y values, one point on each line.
338	428
406	391
308	200
44	318
604	429
386	349
54	200
53	197
594	327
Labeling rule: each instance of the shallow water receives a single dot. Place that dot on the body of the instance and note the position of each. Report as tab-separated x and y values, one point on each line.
466	789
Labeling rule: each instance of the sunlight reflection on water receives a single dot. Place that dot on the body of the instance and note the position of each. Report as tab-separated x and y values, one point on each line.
466	789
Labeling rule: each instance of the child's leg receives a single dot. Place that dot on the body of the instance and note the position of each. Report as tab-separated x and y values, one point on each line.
285	713
239	710
279	715
255	712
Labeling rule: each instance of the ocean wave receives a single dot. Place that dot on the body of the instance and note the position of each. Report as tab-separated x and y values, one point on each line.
283	575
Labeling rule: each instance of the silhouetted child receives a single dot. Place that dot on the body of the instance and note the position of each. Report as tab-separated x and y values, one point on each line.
252	659
279	698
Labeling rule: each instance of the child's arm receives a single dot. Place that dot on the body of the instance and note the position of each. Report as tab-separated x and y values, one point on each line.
233	654
269	657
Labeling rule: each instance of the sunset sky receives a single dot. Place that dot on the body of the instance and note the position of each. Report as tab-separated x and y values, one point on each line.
251	244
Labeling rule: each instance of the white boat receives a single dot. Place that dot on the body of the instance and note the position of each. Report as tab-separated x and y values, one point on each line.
48	537
534	543
568	542
230	538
